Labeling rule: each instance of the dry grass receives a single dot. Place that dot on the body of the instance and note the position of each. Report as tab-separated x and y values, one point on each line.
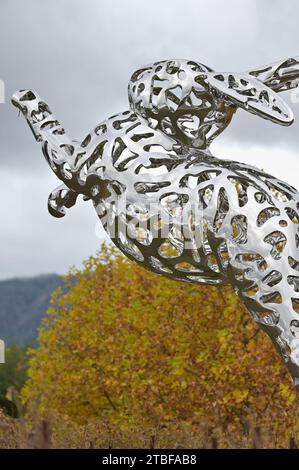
32	431
58	432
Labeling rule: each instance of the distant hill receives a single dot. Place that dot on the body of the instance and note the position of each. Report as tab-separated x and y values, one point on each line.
23	303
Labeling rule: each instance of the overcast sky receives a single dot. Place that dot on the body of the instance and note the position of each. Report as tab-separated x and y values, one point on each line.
79	55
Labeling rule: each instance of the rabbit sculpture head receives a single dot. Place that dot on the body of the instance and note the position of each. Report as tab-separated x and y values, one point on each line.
191	103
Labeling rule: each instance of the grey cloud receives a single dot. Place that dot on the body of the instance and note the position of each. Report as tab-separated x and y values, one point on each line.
78	55
32	241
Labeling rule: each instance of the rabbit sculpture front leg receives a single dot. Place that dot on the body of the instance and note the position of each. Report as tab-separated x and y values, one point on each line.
171	206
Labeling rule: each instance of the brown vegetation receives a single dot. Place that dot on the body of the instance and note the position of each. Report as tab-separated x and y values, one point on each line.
131	359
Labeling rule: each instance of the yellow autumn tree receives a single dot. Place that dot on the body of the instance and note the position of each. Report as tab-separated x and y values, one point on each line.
125	345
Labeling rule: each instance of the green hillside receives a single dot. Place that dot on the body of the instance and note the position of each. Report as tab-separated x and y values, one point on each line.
23	303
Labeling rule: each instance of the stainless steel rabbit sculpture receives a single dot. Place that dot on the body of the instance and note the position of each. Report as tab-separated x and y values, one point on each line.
171	206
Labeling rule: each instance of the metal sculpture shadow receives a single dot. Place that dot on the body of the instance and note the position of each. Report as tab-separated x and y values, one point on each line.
170	205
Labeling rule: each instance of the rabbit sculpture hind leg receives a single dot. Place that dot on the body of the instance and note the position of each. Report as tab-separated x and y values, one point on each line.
259	229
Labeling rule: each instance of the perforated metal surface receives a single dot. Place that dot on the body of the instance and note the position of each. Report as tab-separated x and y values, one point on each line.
171	206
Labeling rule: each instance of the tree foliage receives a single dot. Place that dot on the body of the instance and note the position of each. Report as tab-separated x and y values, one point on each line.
128	346
12	375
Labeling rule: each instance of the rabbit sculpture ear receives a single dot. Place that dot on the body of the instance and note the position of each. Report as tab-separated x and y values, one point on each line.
246	92
279	76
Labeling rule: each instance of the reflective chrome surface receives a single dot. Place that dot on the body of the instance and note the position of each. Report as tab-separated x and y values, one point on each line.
171	206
